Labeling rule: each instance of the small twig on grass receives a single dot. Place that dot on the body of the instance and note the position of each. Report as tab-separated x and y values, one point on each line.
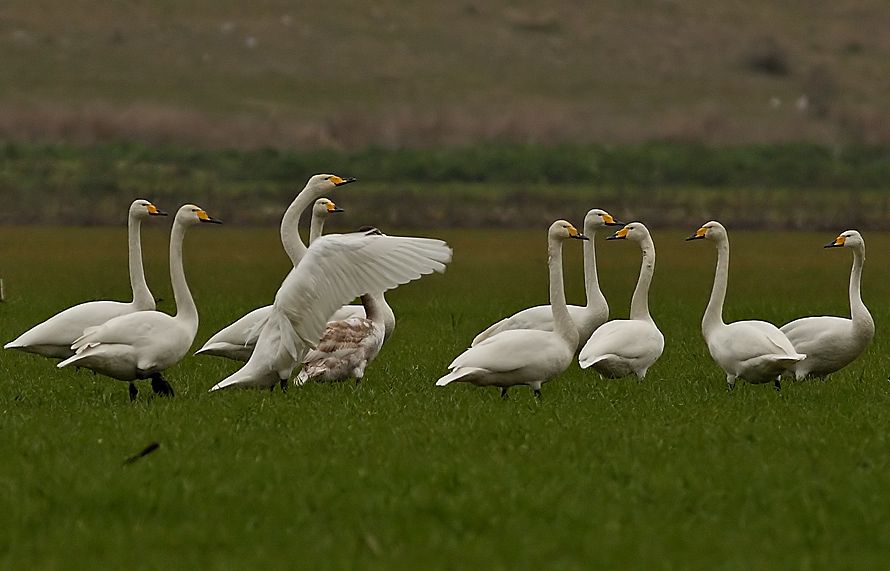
144	452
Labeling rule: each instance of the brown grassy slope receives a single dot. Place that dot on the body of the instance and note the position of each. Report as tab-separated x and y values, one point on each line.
395	72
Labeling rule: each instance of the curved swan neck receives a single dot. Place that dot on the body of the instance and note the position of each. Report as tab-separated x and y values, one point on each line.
290	231
591	279
389	317
714	312
562	321
185	305
316	228
639	305
858	312
142	297
373	309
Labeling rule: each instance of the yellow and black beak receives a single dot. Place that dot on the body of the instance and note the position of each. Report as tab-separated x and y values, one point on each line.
153	210
203	217
609	221
619	235
341	181
838	242
333	208
573	233
699	234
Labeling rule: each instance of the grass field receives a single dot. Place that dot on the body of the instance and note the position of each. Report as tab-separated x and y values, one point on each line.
670	473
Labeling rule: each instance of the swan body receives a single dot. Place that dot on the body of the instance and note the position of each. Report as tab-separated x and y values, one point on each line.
347	347
628	346
587	318
336	269
53	337
832	343
143	344
756	351
525	356
237	340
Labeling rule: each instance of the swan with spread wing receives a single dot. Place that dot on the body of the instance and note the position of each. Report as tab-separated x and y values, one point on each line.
336	269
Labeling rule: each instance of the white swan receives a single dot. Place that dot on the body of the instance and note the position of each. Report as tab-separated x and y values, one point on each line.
587	318
53	337
752	350
832	343
336	269
143	344
236	341
624	346
525	356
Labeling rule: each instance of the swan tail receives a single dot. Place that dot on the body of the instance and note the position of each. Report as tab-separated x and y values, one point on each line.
458	375
278	350
586	362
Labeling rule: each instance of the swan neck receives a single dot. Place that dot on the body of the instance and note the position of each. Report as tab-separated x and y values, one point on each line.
858	312
373	308
185	305
714	312
142	297
290	231
639	305
562	321
592	290
316	228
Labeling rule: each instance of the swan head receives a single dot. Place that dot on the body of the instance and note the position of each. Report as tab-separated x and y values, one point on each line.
325	182
597	218
847	239
562	230
635	231
142	208
191	214
712	230
323	207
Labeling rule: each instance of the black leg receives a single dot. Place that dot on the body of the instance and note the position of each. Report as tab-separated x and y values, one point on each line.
503	392
160	386
133	391
778	384
283	384
537	393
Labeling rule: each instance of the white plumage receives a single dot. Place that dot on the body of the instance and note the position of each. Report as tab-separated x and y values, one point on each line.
337	268
525	356
586	318
237	340
143	344
832	343
53	337
628	346
752	350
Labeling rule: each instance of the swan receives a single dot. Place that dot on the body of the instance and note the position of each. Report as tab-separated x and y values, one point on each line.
525	356
144	344
336	269
832	343
624	346
587	318
752	350
53	337
236	340
347	347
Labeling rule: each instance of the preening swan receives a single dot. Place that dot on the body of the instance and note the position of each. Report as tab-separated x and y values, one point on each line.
586	318
236	341
53	337
525	356
143	344
832	343
624	346
752	350
336	269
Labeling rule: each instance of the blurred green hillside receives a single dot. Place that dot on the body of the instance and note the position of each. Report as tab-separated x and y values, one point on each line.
395	73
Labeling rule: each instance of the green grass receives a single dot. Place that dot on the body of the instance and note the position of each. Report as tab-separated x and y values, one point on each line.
670	473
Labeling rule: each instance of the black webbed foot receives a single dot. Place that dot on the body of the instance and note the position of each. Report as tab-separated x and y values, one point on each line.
160	386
